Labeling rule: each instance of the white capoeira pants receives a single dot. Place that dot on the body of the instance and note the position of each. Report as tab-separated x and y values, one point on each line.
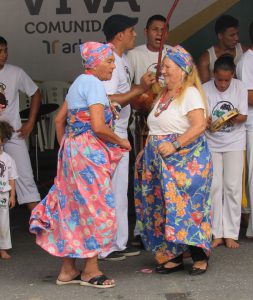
26	188
249	147
120	189
226	193
5	236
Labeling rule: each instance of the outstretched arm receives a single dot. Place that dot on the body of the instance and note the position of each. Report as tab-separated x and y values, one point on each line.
124	99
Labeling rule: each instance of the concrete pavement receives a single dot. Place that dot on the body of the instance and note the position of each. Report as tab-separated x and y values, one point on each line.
31	274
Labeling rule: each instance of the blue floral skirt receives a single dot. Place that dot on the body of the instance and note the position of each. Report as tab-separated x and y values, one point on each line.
173	207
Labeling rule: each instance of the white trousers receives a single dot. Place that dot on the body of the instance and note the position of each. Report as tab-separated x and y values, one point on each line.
249	147
26	188
226	193
120	188
5	236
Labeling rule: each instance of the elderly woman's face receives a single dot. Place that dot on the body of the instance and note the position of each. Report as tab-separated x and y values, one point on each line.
222	79
171	72
105	68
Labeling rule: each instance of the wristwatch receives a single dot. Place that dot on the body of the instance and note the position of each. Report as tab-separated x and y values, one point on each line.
176	145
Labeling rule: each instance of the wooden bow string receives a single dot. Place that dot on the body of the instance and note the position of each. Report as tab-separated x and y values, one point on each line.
173	7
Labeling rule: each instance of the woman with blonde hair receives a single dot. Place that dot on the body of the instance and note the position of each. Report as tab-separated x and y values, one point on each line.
174	171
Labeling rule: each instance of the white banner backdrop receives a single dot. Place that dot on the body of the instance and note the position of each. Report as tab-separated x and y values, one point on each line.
43	35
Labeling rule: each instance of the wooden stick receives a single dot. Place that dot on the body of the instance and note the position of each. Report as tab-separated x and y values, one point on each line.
163	38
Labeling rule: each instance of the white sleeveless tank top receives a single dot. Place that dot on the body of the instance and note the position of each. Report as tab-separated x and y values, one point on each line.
213	57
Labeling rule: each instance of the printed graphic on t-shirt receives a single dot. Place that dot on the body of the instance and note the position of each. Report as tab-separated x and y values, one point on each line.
128	75
2	168
3	203
221	108
2	94
2	175
153	68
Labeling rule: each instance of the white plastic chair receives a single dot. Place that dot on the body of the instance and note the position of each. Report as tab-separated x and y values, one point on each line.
53	92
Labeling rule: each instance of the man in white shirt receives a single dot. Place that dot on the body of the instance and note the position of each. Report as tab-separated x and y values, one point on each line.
145	57
244	71
14	79
226	29
119	30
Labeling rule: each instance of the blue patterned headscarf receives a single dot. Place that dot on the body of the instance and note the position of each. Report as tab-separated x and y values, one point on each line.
180	57
94	53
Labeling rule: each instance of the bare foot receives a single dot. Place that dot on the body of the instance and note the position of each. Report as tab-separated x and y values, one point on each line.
232	244
4	254
217	242
68	276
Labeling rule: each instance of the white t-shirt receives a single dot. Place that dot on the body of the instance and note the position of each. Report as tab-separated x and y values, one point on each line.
244	71
231	137
8	171
15	80
120	83
142	59
174	118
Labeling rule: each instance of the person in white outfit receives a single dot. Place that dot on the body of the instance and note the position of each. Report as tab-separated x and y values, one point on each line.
244	71
15	79
8	175
226	29
145	57
141	59
227	146
119	30
227	32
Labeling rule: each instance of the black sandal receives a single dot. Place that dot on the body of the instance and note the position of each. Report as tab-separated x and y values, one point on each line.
164	270
177	260
197	271
98	282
